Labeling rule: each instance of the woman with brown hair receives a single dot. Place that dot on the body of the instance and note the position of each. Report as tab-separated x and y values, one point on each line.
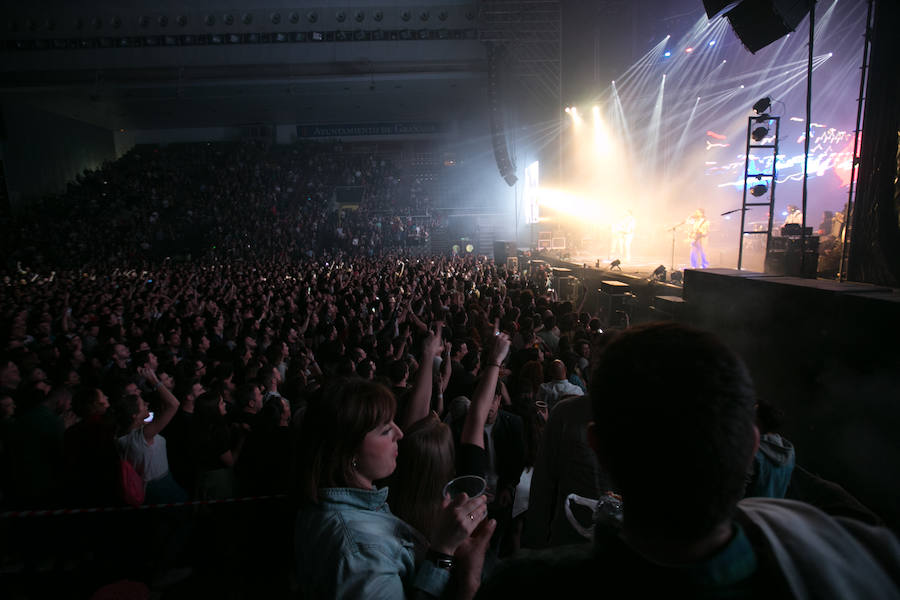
347	541
424	465
213	450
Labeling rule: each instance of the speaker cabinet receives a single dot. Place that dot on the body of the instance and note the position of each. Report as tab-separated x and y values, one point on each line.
503	251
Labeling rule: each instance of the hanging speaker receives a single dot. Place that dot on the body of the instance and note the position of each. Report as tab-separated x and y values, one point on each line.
715	8
758	23
498	133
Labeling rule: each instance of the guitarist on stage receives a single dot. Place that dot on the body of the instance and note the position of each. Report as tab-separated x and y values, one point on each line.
699	232
623	233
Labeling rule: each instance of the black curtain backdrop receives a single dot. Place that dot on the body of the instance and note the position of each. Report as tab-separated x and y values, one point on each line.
875	234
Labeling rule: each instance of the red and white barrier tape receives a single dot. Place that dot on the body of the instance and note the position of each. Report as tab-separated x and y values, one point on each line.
55	512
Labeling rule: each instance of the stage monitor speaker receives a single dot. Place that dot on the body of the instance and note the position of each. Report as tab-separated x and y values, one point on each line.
793	261
566	288
614	287
758	23
615	310
502	251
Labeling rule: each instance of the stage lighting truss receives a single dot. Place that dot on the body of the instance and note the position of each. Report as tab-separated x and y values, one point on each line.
759	184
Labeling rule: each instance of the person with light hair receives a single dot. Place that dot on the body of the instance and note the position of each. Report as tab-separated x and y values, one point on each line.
698	235
623	234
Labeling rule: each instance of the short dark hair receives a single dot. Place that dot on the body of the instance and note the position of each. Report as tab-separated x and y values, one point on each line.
244	394
334	426
397	370
471	359
141	358
126	408
84	400
674	422
267	376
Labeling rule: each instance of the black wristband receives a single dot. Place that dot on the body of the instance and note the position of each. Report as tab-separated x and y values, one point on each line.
441	560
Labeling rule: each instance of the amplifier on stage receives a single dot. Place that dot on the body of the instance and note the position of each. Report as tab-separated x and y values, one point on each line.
613	287
503	250
798	257
668	307
616	303
566	288
795	230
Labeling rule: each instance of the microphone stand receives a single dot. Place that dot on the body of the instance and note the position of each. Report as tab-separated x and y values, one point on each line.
733	211
674	228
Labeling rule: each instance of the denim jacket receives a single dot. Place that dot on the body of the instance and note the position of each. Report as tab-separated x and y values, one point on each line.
349	545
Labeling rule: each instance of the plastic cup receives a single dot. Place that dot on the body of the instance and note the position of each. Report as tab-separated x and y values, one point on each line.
471	485
540	404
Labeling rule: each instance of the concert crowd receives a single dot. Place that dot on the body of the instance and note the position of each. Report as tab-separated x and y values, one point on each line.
282	374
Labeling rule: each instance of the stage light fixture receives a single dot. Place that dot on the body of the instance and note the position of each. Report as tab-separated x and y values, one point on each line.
762	105
616	264
659	273
759	133
667	54
759	189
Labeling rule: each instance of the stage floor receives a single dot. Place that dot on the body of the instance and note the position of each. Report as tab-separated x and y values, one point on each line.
643	265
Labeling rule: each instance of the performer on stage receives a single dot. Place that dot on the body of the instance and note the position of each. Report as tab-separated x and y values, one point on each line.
795	215
699	232
623	233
